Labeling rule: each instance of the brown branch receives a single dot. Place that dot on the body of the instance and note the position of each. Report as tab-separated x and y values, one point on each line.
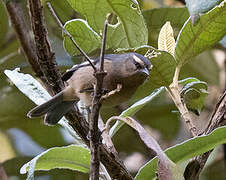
17	16
109	158
46	57
95	111
194	168
175	95
111	161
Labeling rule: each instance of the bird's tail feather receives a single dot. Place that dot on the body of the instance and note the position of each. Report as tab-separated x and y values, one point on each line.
54	115
54	109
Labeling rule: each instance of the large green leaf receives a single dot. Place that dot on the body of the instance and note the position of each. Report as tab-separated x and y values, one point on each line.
129	31
203	67
156	18
185	151
208	31
70	157
4	24
34	90
135	108
163	68
87	39
63	9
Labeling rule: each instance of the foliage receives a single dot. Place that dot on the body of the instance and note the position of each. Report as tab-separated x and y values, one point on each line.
151	33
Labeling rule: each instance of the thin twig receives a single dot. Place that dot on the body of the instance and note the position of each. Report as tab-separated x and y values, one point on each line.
70	36
103	46
96	104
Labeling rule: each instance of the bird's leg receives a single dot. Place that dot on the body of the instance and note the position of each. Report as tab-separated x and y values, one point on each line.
108	94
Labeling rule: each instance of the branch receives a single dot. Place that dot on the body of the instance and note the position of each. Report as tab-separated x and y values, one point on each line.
111	161
194	168
175	95
95	111
46	57
17	16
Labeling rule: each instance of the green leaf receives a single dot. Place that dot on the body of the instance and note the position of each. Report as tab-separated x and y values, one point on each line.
185	151
208	31
194	93
203	66
156	18
84	36
129	30
70	157
163	68
134	109
63	9
193	83
188	80
4	23
35	92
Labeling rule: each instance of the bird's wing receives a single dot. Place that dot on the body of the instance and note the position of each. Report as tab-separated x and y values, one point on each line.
67	75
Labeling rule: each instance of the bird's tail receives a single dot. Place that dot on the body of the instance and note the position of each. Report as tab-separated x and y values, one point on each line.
54	109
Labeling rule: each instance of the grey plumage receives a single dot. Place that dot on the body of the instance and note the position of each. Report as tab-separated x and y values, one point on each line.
130	70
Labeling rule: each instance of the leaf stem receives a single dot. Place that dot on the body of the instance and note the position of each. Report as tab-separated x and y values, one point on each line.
174	92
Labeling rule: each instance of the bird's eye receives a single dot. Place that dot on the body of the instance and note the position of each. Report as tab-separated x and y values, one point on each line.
138	62
138	65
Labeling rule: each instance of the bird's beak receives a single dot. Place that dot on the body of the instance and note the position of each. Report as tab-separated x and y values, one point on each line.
146	71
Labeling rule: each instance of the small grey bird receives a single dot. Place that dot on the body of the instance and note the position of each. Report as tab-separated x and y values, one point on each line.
129	70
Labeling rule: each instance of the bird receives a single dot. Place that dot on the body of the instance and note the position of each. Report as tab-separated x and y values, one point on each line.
197	7
129	70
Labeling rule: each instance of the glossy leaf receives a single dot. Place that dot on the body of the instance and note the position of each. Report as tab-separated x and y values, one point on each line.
134	109
204	67
156	18
185	151
35	92
193	40
70	157
194	99
163	68
194	93
84	36
129	30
